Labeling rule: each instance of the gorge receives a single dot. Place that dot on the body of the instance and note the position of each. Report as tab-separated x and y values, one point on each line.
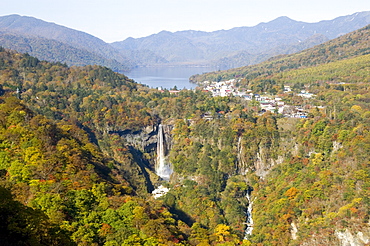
249	221
83	148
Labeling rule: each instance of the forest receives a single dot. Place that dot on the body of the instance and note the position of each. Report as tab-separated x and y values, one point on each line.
78	155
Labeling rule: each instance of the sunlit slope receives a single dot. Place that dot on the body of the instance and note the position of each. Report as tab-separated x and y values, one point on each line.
349	46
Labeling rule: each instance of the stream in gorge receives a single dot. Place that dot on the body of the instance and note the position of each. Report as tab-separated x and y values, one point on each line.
163	169
249	221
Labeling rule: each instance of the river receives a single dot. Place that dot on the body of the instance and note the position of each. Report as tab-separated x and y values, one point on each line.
166	77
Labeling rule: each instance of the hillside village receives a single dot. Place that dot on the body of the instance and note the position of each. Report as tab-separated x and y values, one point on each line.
272	103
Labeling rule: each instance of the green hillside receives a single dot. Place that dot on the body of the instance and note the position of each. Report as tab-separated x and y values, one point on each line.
78	150
53	42
345	47
54	51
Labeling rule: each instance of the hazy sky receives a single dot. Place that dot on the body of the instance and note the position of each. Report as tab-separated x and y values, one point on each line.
116	20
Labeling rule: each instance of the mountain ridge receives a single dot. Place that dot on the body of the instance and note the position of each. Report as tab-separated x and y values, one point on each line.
222	49
55	51
31	26
205	48
347	46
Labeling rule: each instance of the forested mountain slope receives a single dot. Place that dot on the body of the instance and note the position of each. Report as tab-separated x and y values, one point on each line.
55	51
62	167
72	193
77	167
347	46
78	147
44	39
225	48
244	58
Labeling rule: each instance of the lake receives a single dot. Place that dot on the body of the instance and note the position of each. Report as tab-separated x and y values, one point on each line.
167	77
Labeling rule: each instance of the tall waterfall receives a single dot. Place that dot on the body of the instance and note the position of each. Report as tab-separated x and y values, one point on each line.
249	222
163	168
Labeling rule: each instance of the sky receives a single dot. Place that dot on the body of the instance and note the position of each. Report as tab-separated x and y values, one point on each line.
116	20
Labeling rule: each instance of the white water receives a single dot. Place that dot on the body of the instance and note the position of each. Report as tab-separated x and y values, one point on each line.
160	191
249	222
163	167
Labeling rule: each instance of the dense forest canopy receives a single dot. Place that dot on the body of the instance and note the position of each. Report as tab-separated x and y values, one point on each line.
78	155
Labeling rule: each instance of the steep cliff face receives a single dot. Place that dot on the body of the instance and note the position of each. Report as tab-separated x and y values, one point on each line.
144	145
263	166
144	140
167	129
341	237
358	238
260	162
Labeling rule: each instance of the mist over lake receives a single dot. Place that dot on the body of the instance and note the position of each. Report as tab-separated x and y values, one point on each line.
167	77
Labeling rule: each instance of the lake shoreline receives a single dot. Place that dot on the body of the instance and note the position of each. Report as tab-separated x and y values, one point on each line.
167	77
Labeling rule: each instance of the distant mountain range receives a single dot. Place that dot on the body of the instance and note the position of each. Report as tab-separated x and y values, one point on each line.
53	42
239	46
344	48
223	49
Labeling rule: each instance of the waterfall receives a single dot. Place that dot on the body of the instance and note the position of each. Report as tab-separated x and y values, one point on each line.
160	191
163	168
249	222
